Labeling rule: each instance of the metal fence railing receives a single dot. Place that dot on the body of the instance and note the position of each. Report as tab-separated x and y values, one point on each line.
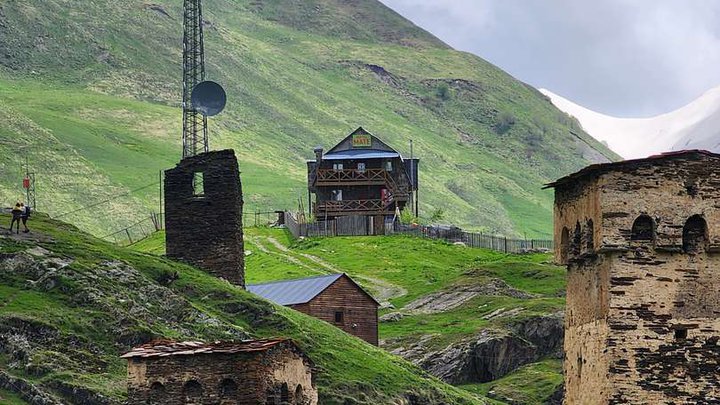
360	225
478	240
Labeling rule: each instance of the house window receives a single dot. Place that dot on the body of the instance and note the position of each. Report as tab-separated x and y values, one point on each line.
339	316
361	167
388	166
337	195
337	167
198	184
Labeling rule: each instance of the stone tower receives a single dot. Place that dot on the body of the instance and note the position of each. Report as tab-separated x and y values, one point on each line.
203	214
641	240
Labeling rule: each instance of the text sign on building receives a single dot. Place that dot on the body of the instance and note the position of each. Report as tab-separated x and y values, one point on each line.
361	141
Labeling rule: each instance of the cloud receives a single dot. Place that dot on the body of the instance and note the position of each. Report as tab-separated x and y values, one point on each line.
620	57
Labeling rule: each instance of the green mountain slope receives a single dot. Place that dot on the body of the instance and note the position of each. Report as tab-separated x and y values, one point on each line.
401	271
70	304
91	90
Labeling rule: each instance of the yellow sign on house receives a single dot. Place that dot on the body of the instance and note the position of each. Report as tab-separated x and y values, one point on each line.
361	141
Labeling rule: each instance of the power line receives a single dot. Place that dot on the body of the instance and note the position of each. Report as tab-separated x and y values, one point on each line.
108	200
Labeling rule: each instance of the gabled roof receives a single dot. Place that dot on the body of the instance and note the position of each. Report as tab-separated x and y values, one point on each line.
377	144
601	168
298	291
164	348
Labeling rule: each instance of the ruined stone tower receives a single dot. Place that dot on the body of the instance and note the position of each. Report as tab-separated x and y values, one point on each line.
203	214
641	240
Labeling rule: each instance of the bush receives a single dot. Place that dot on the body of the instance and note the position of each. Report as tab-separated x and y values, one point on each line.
443	91
504	122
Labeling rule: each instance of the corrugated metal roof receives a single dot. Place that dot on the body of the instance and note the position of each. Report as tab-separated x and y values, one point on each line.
164	348
291	292
361	154
599	168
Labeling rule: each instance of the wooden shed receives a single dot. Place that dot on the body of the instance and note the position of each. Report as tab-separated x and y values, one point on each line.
334	298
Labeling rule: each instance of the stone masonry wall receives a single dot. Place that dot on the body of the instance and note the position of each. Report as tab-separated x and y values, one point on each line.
643	315
259	378
206	230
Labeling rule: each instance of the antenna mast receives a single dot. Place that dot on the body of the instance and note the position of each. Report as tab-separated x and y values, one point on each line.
195	133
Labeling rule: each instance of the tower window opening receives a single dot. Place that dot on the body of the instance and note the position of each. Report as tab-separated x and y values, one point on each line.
198	184
694	235
643	229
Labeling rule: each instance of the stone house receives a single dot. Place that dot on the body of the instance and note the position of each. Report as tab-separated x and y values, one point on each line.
641	240
257	372
334	298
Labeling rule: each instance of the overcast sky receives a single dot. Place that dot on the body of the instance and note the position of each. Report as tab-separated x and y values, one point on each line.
620	57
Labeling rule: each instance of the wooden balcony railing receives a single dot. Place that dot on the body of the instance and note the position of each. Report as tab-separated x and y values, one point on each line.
349	206
351	176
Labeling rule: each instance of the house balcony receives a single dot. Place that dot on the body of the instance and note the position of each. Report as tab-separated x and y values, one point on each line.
353	177
354	207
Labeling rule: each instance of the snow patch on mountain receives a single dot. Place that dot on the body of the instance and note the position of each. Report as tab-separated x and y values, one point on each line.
694	126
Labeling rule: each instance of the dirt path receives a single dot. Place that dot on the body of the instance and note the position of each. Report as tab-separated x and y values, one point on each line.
287	256
381	289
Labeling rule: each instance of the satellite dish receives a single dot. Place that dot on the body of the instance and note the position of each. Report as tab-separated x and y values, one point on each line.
208	98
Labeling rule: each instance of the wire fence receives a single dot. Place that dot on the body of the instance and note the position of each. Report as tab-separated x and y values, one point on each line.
138	230
347	226
478	240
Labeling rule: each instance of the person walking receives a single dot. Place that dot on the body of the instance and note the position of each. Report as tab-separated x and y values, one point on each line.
25	216
17	211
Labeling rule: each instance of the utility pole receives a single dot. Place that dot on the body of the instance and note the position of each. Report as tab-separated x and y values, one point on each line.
29	185
412	181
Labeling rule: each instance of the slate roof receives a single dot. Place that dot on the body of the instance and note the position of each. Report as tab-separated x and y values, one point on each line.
601	168
164	348
298	291
361	154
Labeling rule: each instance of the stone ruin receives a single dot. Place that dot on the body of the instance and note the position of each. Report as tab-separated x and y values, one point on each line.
203	214
641	240
256	372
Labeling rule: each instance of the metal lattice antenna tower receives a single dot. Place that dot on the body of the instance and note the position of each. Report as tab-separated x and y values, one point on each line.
195	133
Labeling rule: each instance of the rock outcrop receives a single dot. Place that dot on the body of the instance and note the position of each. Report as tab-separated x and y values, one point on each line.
492	353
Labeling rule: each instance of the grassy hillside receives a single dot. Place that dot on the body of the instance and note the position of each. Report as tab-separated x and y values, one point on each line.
89	90
401	269
70	304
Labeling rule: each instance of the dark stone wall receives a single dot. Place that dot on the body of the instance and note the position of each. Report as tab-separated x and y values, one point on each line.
254	378
206	230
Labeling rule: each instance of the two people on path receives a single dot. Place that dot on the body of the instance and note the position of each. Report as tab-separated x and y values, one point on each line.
20	212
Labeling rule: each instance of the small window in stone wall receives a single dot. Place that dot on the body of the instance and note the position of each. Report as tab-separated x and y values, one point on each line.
694	235
564	245
228	388
576	243
681	334
284	394
299	396
192	392
643	229
589	236
198	184
157	393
